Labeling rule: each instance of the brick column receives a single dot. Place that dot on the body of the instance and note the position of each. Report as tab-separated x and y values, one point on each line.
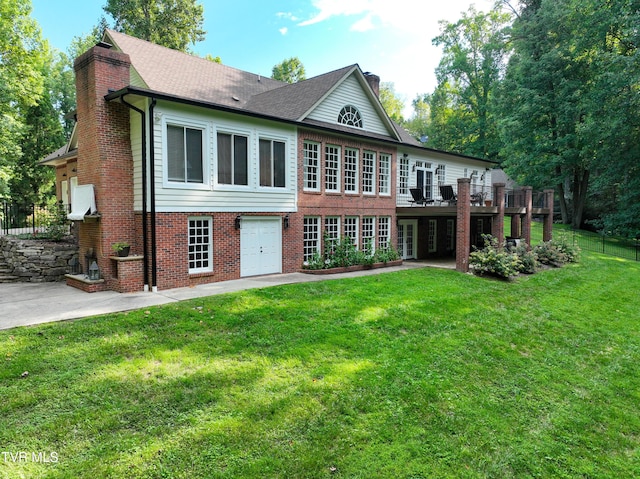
463	225
547	227
104	153
515	226
497	226
526	220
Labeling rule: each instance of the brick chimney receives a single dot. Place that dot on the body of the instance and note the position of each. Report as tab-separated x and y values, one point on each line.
104	152
374	82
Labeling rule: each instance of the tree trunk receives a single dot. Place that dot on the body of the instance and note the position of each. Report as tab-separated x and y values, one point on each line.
564	210
580	185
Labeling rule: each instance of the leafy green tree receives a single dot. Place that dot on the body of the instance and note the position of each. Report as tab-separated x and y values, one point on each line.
569	103
474	51
290	70
391	102
21	79
418	124
172	23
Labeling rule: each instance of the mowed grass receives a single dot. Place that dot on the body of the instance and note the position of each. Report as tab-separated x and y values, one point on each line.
419	374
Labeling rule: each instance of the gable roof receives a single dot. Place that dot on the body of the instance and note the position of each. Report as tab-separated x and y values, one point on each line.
163	70
293	101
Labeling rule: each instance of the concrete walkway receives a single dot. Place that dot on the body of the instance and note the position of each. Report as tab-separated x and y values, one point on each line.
23	304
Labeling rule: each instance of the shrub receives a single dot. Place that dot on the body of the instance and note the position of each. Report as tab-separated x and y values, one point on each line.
494	259
528	259
342	253
571	251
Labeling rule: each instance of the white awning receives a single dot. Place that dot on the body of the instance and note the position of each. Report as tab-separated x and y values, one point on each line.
83	202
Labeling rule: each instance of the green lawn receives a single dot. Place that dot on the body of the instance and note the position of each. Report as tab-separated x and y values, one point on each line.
420	374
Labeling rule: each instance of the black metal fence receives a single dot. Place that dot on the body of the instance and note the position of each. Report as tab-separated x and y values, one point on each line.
16	219
627	248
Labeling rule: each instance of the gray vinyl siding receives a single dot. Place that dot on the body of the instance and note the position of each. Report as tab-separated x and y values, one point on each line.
349	92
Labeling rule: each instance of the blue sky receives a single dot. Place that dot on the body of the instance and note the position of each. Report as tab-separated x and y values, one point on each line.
391	38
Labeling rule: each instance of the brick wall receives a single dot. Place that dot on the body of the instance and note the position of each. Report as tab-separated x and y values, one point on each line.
104	153
322	203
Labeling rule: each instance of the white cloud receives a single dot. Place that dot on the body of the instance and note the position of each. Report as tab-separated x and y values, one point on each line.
409	66
288	16
283	30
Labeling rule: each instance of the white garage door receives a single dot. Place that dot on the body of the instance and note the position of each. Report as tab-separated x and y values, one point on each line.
260	246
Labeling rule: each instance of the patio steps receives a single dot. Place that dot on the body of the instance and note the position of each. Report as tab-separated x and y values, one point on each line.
5	273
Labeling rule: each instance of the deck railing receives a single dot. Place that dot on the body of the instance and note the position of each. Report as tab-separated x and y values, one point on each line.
479	194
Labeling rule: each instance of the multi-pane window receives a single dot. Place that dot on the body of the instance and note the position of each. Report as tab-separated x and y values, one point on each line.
185	154
441	174
349	115
199	238
311	165
332	168
272	163
332	227
351	229
368	233
232	159
368	172
403	183
432	236
311	227
384	173
384	232
331	231
350	170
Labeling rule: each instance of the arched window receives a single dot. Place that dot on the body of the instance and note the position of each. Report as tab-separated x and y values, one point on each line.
350	115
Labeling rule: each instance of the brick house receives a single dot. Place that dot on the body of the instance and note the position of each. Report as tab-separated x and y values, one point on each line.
212	173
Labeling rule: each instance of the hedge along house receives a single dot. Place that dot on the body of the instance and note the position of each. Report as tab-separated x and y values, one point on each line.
212	173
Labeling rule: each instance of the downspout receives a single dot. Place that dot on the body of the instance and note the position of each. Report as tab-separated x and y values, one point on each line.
145	246
154	248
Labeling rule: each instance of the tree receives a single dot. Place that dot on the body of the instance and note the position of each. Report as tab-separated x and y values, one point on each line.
21	79
290	70
172	23
391	102
569	106
418	124
474	49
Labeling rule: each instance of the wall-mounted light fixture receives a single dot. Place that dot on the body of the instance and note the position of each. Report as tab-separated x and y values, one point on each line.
237	222
73	170
285	222
64	174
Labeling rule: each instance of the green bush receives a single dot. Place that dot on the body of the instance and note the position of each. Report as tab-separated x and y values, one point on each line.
528	259
557	252
494	259
342	253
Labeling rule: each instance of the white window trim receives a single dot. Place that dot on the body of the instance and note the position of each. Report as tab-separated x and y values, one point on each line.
387	174
209	268
250	161
358	152
318	167
206	157
374	176
287	161
338	168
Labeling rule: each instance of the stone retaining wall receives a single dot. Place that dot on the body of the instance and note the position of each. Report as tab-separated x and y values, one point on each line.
36	261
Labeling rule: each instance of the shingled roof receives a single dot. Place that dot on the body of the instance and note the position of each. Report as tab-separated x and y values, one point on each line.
292	101
179	74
